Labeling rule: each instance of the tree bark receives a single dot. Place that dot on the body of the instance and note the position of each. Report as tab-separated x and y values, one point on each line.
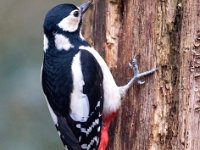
164	113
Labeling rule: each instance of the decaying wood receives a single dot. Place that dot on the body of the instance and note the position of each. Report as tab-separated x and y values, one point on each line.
164	113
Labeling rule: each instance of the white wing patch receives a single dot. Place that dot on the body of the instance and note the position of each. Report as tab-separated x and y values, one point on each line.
79	102
88	130
46	43
112	97
85	146
62	42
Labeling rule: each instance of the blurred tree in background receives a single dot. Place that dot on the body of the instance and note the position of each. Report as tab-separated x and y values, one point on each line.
25	121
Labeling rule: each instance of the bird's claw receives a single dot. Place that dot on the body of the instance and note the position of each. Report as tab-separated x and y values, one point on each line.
140	82
133	63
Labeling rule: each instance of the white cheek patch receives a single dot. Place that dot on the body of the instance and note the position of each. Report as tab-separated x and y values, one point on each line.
70	23
46	43
92	142
62	42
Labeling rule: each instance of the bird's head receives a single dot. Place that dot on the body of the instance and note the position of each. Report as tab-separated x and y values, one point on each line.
64	17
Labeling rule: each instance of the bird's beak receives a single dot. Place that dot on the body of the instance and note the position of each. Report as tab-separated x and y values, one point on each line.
84	7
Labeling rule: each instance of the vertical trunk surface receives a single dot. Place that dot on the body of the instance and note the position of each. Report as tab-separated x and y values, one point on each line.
164	113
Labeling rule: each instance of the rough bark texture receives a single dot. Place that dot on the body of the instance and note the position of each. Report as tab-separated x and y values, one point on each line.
164	113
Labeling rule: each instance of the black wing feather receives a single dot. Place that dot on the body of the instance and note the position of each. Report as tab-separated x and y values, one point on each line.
67	136
57	85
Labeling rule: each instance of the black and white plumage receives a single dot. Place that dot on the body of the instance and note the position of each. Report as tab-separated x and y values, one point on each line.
72	79
78	86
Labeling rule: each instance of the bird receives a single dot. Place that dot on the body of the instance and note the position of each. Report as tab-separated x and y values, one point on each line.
81	93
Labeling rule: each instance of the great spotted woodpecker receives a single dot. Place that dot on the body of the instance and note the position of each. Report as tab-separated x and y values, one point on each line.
80	91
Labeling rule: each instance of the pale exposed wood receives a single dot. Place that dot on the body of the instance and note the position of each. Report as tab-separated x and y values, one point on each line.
189	76
164	113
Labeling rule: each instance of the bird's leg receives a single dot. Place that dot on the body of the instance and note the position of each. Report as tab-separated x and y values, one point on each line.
136	77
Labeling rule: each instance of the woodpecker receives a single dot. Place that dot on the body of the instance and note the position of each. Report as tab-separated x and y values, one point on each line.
80	91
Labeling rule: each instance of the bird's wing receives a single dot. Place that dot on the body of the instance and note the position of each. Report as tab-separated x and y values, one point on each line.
66	134
93	79
59	86
89	88
112	97
57	89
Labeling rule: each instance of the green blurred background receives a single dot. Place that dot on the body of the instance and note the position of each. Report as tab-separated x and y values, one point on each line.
25	123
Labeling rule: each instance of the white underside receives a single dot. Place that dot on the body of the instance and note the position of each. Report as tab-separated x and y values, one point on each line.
112	96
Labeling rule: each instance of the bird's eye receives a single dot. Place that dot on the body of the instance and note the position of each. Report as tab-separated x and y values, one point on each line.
76	13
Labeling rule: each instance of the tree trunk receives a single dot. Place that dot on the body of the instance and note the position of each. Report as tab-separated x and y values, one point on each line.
164	113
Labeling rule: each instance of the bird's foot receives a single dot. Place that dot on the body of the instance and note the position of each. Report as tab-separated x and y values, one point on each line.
137	75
